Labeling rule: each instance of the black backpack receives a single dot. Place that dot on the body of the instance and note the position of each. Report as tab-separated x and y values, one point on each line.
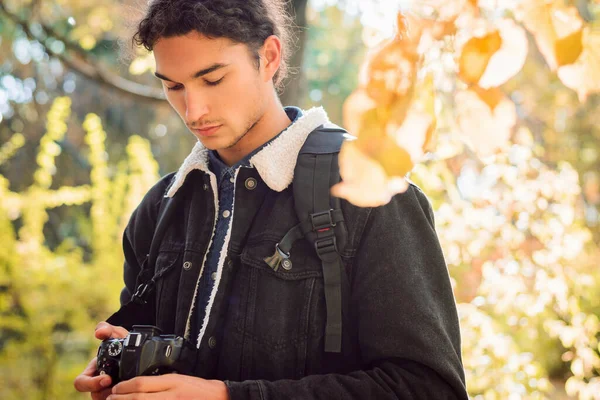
321	223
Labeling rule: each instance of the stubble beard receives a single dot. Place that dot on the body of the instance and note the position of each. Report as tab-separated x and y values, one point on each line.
253	120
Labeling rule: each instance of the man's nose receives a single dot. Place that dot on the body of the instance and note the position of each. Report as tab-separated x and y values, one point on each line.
196	107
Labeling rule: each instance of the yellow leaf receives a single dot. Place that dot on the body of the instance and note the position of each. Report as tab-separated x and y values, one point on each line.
584	76
557	30
486	119
364	181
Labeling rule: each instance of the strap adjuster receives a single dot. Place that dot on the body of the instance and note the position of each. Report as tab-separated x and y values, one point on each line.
326	246
322	220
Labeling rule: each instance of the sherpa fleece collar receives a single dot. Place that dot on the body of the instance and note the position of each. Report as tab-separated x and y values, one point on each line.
275	162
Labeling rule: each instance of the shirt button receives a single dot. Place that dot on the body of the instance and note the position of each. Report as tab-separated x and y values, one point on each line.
226	214
232	179
212	342
187	265
213	276
250	183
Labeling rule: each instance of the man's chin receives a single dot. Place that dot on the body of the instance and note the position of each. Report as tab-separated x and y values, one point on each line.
215	143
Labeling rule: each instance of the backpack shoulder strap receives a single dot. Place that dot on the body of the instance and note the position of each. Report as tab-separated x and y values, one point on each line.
321	221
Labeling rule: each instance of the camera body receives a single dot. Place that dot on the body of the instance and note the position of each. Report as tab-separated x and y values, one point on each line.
145	351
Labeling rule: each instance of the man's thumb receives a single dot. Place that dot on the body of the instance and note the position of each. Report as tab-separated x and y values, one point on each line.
104	331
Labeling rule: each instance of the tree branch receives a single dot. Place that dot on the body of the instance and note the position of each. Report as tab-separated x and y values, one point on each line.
89	68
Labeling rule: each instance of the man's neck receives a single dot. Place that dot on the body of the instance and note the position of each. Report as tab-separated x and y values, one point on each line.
266	128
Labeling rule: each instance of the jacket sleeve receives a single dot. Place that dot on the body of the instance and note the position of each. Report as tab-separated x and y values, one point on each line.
407	321
138	235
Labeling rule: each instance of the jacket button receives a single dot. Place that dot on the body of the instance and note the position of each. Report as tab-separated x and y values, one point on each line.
250	183
286	264
212	342
205	186
187	265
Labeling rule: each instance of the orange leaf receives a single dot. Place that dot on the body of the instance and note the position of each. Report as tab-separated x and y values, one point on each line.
487	128
364	181
414	131
476	55
584	75
390	71
557	30
509	59
355	106
375	143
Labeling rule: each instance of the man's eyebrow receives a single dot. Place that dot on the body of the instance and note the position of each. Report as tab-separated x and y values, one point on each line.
198	74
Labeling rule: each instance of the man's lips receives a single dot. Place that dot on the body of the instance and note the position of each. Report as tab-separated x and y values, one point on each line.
207	131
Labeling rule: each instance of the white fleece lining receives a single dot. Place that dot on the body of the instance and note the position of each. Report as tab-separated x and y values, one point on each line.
220	264
275	162
213	184
197	159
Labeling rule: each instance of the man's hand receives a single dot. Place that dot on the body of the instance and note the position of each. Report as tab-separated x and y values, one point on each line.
169	387
98	386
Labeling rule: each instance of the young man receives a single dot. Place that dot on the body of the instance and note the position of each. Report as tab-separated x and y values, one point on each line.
259	330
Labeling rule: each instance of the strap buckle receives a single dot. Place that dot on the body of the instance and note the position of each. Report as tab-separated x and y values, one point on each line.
322	221
142	292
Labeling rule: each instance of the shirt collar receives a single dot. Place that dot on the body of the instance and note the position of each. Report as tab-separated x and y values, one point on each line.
275	161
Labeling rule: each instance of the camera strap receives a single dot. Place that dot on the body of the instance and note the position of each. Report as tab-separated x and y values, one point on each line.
140	310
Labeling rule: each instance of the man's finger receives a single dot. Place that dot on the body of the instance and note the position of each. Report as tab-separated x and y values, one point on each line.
145	384
104	331
130	396
87	382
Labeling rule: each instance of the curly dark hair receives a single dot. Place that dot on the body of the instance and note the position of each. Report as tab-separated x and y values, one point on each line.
243	21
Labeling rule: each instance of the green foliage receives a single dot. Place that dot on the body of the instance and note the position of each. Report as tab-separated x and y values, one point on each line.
51	299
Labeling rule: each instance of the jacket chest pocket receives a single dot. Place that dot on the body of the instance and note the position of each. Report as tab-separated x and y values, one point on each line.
168	264
282	308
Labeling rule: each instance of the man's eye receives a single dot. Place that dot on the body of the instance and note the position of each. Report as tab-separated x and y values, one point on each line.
175	88
213	83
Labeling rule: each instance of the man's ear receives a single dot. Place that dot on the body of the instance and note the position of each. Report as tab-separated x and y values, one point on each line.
270	55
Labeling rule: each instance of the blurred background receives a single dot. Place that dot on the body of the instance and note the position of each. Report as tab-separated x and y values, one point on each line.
514	182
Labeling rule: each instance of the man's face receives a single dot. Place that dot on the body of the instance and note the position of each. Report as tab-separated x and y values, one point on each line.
214	85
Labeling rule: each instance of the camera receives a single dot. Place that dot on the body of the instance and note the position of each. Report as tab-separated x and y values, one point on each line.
145	351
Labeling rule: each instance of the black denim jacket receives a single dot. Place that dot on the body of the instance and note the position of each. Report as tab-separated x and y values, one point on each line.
265	328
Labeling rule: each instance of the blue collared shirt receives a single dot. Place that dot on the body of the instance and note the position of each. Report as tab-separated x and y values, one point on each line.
225	183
